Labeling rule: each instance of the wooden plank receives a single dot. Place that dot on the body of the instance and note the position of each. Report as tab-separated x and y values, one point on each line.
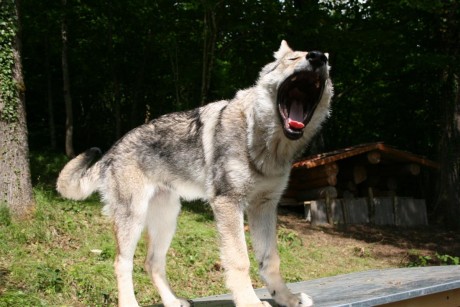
384	214
445	299
410	211
318	212
333	156
407	156
369	288
356	210
320	171
321	212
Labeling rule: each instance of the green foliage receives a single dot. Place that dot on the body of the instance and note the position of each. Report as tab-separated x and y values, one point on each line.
18	298
8	88
5	215
132	61
49	279
418	260
448	260
45	167
288	237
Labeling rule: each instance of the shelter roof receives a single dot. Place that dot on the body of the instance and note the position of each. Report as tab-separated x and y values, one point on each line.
389	154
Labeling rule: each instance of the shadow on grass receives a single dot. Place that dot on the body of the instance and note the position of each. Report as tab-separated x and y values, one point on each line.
200	207
45	167
433	238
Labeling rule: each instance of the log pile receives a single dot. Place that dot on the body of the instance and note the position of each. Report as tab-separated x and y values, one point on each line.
365	170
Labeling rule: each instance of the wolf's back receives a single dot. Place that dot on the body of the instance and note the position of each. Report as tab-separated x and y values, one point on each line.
78	179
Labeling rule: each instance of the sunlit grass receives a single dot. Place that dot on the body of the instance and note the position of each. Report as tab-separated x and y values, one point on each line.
50	259
64	255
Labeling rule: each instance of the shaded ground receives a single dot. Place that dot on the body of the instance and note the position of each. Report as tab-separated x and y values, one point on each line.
401	246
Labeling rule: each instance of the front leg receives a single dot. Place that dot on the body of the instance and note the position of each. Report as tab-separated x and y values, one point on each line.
262	218
229	216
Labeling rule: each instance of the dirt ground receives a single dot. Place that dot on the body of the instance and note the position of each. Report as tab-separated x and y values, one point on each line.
402	246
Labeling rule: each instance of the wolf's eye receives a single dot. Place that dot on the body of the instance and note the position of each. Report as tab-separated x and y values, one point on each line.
294	58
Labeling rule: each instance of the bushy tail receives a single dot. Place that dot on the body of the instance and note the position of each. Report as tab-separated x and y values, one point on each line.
79	178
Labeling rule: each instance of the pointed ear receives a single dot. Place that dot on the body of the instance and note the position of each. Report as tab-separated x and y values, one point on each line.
284	48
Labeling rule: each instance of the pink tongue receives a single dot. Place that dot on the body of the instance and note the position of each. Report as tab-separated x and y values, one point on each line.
296	115
295	124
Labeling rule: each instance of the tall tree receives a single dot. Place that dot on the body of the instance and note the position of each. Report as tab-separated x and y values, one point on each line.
15	181
449	143
209	46
69	149
49	87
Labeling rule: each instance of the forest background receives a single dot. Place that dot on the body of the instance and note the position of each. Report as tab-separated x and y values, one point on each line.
96	69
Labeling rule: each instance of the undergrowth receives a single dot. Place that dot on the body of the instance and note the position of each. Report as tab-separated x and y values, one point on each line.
416	259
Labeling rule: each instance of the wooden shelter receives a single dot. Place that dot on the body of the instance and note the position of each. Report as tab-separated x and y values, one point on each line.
360	184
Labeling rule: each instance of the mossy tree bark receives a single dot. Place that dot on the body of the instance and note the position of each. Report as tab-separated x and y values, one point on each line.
15	180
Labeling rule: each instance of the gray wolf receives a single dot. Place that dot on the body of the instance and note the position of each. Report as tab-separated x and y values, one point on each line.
236	154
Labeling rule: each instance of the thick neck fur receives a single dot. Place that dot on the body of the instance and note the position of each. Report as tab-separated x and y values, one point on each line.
269	149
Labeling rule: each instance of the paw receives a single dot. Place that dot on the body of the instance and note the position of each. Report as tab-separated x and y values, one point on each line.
291	300
305	300
179	302
261	304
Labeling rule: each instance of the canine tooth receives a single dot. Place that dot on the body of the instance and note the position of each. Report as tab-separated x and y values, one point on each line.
294	78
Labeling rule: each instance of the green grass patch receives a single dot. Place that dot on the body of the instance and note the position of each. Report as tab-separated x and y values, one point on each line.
64	255
50	260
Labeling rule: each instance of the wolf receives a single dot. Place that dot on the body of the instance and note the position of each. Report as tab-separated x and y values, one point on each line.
235	154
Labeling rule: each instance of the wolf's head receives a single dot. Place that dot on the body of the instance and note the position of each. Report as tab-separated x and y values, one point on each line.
299	83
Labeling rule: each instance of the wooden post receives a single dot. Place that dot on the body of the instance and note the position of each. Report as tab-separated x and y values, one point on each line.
328	208
371	204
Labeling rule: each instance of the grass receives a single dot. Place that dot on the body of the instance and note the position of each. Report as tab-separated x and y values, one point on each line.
64	255
50	259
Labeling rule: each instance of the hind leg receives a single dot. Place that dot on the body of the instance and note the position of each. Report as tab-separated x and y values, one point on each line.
128	228
161	226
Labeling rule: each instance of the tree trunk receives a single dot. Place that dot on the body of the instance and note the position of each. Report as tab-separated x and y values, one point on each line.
209	43
69	150
449	154
449	144
117	107
49	85
174	60
15	181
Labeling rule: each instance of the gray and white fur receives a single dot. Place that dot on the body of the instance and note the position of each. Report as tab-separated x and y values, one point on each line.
236	154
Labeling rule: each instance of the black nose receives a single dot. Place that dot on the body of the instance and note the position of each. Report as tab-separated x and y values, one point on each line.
316	58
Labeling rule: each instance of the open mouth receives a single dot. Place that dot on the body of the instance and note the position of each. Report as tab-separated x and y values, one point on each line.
298	97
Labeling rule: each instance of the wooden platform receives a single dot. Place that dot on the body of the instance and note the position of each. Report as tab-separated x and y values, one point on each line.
427	286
